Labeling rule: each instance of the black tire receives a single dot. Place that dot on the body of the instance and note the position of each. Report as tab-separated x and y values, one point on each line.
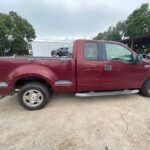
42	96
145	91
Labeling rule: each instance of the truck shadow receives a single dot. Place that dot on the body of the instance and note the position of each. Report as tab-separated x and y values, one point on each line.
66	99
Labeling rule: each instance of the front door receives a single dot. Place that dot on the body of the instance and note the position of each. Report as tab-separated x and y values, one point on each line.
119	70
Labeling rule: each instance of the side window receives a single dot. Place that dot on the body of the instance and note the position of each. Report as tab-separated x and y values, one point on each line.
118	52
90	51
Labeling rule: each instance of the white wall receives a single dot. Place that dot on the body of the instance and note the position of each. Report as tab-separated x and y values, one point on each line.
43	49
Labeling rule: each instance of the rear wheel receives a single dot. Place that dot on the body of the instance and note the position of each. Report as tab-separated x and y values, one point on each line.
33	96
145	91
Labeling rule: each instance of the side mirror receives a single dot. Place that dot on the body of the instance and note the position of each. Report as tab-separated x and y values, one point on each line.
137	58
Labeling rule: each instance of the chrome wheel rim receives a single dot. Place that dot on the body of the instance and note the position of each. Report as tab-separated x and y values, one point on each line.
33	98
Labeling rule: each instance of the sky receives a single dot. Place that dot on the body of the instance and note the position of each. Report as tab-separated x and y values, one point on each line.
70	19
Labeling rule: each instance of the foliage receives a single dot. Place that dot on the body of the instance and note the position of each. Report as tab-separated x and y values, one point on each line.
137	23
113	33
15	34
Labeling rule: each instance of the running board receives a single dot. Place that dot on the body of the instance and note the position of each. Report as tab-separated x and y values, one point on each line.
92	94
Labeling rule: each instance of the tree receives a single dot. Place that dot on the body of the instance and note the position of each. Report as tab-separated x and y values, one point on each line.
113	33
15	34
138	22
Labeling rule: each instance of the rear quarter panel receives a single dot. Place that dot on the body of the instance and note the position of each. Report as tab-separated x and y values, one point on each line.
51	70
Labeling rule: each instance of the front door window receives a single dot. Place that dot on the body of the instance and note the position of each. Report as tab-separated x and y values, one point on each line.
118	52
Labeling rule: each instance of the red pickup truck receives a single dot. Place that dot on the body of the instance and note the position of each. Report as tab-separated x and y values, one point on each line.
95	68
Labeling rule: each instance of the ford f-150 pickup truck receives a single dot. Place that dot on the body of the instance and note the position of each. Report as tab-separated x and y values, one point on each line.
95	68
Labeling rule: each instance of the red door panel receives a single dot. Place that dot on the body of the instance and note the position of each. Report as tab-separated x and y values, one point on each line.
89	72
122	76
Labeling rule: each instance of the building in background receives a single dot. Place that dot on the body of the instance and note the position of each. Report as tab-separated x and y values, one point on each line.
43	48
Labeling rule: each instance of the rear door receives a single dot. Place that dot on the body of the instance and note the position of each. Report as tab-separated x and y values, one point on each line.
119	70
89	66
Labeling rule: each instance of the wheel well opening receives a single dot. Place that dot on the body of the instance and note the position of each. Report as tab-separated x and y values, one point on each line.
147	79
23	81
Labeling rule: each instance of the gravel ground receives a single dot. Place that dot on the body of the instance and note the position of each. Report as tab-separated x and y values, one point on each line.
71	123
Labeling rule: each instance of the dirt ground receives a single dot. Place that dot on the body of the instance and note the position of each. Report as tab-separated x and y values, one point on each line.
71	123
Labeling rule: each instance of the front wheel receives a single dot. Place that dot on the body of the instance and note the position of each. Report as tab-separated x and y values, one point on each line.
145	91
33	96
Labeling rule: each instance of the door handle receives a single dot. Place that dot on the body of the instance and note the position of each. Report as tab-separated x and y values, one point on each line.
107	67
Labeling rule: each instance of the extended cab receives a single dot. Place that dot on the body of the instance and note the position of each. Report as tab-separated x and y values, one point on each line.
95	68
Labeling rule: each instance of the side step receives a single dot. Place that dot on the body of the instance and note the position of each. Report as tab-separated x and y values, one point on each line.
92	94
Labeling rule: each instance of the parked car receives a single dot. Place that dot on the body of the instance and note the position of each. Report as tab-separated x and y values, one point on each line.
95	68
146	56
60	52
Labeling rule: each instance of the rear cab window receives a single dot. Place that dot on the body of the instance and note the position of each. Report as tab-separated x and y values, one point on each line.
90	51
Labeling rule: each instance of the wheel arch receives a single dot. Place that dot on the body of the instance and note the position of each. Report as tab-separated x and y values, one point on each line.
31	72
23	80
